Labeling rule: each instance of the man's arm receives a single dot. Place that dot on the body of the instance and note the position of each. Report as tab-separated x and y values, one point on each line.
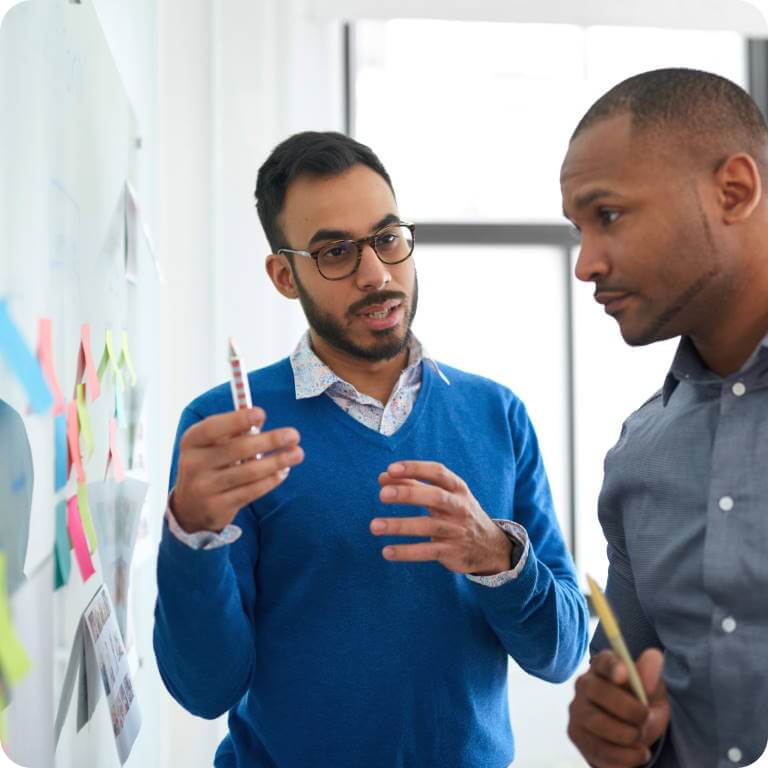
205	610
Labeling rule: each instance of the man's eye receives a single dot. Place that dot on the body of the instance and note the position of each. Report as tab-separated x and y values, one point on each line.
607	216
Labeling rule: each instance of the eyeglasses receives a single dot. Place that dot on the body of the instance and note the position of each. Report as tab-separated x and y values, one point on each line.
393	244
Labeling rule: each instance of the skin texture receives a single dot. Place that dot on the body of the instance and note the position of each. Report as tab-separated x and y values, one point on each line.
211	486
674	243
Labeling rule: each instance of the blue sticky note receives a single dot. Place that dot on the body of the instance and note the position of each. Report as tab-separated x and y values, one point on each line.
60	445
23	363
61	547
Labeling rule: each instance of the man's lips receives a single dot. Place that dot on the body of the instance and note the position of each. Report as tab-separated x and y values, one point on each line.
376	308
612	300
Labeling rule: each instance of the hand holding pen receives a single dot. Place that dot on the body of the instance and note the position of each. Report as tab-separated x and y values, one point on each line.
620	708
217	475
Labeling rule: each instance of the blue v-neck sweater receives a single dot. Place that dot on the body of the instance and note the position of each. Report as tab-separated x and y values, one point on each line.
324	653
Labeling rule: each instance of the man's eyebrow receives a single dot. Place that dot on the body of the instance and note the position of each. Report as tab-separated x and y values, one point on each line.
323	235
587	198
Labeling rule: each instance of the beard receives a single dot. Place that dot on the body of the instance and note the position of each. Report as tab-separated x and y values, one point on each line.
387	342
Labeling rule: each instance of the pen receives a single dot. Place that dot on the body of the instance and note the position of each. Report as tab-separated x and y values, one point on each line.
613	633
241	390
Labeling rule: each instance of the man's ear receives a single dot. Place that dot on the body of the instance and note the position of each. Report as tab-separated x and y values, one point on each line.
740	187
281	274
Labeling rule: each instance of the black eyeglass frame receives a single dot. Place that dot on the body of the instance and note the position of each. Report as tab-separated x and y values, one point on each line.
369	240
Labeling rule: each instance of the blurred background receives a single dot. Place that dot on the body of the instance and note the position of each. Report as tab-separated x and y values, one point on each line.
470	108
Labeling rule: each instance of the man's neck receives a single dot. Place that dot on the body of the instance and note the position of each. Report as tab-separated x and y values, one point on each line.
375	379
735	330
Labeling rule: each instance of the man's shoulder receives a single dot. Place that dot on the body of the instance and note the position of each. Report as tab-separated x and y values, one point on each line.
480	390
272	381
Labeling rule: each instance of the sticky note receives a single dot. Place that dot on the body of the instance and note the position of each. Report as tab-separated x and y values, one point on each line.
77	538
45	356
115	460
108	358
73	440
85	366
14	662
85	515
84	420
23	363
61	547
125	357
61	468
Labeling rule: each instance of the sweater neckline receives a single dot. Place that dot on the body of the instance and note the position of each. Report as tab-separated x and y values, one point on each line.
385	441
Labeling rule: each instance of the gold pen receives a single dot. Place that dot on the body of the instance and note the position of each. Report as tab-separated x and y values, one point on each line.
613	633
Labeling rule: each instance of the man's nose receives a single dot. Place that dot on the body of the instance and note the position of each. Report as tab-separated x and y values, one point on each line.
372	274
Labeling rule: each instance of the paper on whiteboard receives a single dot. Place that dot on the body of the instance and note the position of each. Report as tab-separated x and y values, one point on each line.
112	661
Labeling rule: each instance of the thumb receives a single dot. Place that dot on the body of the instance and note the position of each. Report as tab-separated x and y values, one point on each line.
649	667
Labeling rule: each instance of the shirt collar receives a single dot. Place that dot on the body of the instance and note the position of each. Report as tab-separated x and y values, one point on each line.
688	366
313	377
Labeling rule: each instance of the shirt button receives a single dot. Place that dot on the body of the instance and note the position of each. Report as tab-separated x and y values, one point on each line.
726	503
734	755
738	388
729	625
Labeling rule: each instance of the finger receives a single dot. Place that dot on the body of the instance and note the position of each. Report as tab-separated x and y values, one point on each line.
649	667
613	699
245	494
385	478
428	527
247	446
601	754
608	665
429	472
221	425
249	472
611	729
420	495
414	553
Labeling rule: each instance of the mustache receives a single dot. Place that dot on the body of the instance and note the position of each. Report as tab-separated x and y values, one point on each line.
375	298
603	288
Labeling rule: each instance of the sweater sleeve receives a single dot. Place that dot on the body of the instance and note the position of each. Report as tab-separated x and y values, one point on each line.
540	616
204	615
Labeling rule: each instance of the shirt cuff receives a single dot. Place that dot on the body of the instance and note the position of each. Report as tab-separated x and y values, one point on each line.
201	539
520	547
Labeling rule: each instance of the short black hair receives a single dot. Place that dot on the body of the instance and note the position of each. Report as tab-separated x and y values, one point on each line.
310	153
703	107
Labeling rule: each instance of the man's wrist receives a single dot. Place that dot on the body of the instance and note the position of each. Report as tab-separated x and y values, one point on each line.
502	560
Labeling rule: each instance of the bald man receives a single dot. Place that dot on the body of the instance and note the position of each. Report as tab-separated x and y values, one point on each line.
665	180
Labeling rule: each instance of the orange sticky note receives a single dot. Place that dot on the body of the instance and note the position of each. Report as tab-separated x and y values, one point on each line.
114	459
85	366
73	439
77	539
45	356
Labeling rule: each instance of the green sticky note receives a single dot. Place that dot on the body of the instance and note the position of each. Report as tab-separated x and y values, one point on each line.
14	662
84	420
85	516
61	547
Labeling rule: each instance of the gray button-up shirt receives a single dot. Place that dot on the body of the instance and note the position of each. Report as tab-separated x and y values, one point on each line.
684	508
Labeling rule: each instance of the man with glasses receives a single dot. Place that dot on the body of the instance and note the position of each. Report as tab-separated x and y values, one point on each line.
352	601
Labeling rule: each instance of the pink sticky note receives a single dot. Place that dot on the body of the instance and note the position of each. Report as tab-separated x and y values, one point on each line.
118	468
73	439
85	366
45	356
78	541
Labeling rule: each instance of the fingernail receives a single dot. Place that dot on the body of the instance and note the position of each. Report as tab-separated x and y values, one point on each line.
289	437
255	417
284	473
396	469
388	493
388	552
378	525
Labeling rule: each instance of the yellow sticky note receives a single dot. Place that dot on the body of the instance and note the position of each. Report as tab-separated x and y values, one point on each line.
14	662
85	516
108	358
84	418
125	357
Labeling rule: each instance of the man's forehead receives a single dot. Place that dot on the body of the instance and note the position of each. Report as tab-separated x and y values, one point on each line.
605	147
